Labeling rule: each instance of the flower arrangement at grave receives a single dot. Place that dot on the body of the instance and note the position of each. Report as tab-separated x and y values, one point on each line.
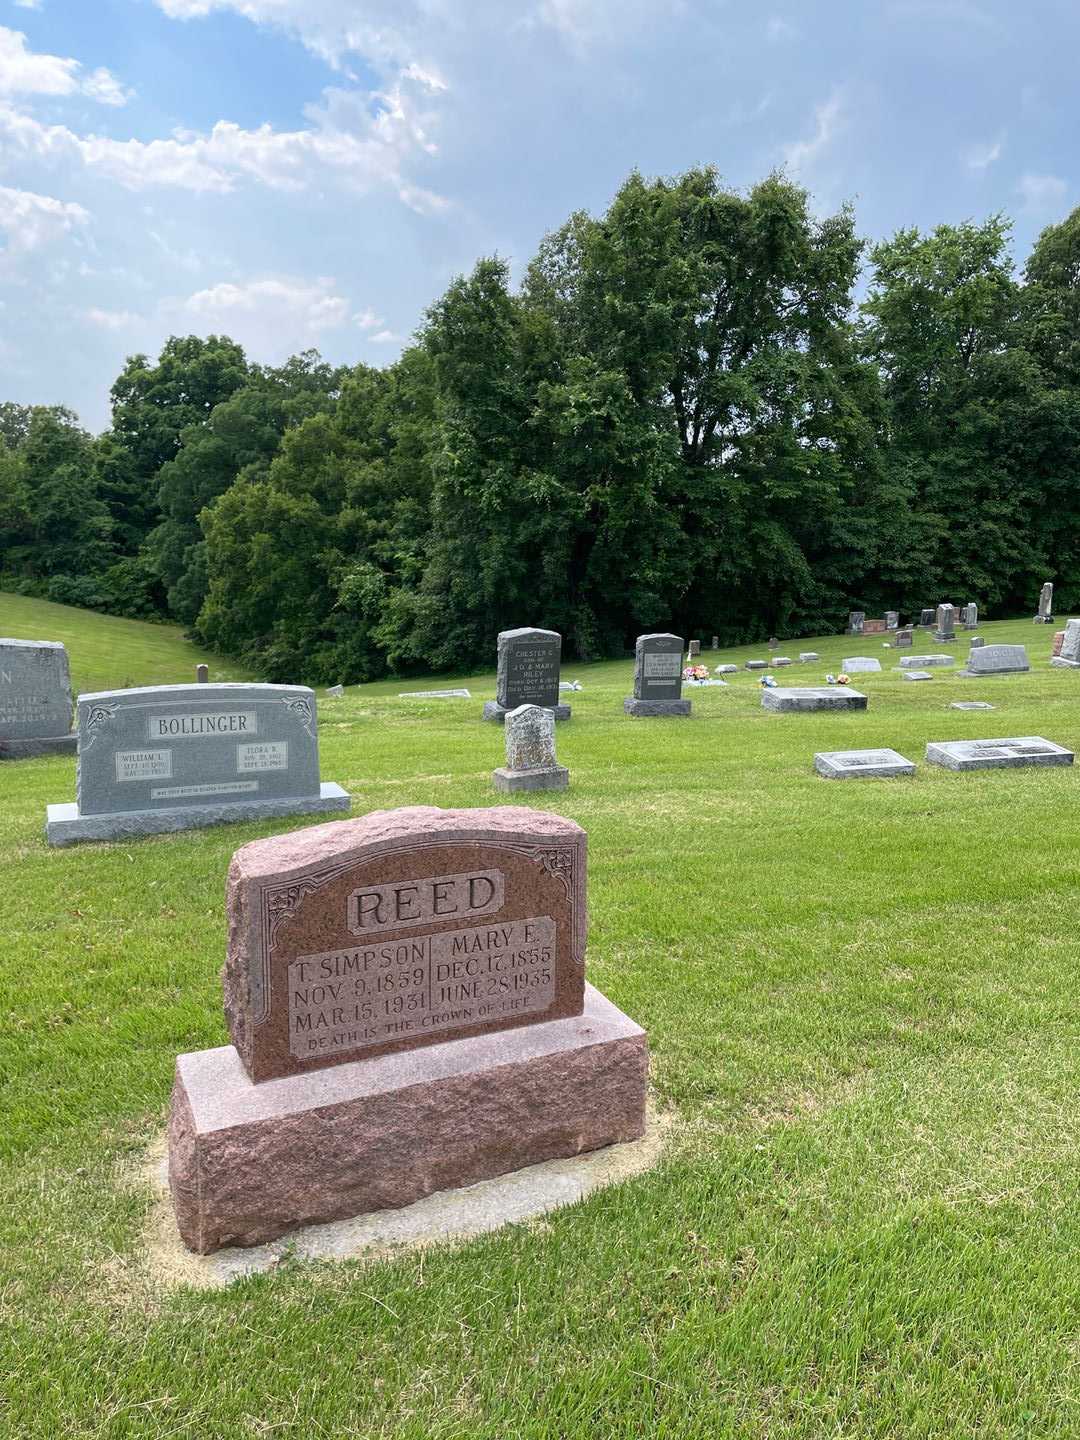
843	679
695	674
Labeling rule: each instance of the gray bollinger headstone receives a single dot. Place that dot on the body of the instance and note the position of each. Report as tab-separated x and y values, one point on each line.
902	638
1068	656
530	752
35	700
997	660
202	674
179	757
528	673
970	615
657	677
855	621
861	764
1045	614
812	697
945	627
997	754
892	620
862	665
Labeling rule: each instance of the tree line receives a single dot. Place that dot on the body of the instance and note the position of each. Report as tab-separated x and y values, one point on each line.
680	419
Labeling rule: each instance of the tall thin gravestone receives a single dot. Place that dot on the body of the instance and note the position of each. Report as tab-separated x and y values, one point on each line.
970	615
1046	605
657	677
413	989
35	700
528	673
946	623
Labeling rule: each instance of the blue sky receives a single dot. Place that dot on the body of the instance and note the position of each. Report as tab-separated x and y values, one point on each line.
301	173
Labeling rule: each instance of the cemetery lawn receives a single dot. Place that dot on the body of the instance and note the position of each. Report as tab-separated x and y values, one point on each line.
862	1005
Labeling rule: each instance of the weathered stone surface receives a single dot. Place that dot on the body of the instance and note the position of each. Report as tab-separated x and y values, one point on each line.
997	754
926	619
658	668
248	1162
725	669
892	619
528	668
780	660
716	642
997	660
174	757
971	705
924	662
812	697
530	753
757	665
861	664
35	700
861	764
405	929
1045	615
202	674
855	621
874	627
805	655
1059	639
497	713
976	642
694	649
335	691
902	639
917	675
657	707
1070	644
970	615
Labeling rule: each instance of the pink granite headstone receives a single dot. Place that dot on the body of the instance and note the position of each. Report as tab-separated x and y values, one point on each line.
412	985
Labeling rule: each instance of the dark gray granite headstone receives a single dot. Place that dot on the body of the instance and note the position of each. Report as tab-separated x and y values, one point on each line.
658	669
528	673
35	699
926	618
172	757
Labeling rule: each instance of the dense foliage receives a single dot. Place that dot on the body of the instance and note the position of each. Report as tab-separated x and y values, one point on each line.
680	419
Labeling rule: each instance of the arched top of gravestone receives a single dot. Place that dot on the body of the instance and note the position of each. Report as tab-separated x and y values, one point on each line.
528	667
402	929
658	667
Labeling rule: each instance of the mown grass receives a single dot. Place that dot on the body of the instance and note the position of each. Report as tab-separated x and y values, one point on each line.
862	1010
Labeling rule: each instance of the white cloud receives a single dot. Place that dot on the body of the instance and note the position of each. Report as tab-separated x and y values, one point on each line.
27	4
28	220
25	72
366	140
780	29
368	320
981	157
828	121
1041	193
384	337
111	319
274	316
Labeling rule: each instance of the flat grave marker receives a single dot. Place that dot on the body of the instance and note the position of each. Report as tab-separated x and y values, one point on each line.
1015	751
812	697
861	764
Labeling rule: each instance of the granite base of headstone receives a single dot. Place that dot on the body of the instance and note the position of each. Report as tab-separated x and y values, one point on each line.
861	764
180	757
785	698
530	753
997	754
412	989
997	660
35	700
658	677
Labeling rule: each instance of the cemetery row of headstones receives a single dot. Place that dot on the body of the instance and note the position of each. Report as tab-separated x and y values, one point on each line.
1015	751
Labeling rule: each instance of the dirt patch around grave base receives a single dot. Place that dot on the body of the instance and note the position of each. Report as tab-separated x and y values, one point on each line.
447	1217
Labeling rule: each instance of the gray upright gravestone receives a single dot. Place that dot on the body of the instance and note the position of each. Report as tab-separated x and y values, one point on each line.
528	673
657	677
946	623
177	757
530	752
855	621
970	615
1068	657
892	620
35	700
1046	605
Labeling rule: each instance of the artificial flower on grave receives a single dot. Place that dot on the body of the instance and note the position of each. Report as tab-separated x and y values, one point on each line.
843	679
695	674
